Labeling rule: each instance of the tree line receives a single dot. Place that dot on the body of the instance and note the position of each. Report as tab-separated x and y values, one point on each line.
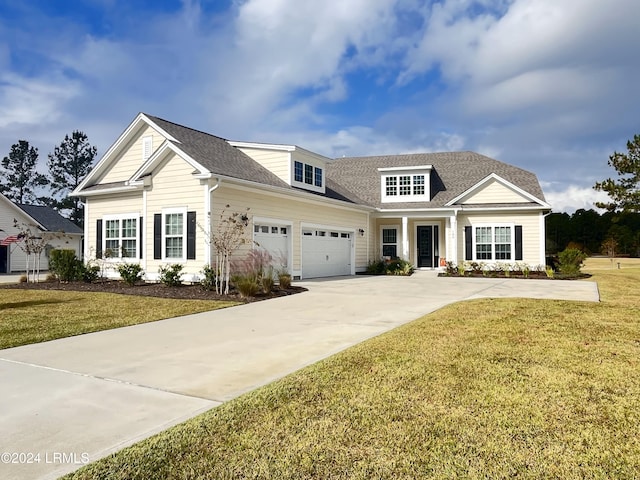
67	165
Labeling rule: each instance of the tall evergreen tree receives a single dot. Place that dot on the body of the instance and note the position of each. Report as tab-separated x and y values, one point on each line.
20	175
624	191
68	165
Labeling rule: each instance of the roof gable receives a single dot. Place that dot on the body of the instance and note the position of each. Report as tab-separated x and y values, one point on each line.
453	174
494	190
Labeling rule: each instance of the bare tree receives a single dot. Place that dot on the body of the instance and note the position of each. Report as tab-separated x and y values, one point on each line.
33	241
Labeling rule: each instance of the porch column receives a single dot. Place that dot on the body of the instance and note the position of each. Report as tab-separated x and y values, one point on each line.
452	250
405	238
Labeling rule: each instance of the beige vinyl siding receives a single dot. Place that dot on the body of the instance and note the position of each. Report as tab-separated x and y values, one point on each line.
173	186
131	158
530	232
113	204
495	192
276	161
291	209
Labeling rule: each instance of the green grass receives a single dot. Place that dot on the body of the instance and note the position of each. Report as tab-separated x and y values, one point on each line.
482	389
31	316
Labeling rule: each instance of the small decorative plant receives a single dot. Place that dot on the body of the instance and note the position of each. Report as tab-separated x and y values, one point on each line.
130	273
171	275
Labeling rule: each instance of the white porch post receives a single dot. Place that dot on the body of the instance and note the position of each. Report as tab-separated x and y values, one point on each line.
405	238
452	248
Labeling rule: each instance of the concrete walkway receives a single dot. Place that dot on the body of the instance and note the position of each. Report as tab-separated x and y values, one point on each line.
81	398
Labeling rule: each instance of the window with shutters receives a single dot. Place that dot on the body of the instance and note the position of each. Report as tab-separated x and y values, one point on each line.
121	236
174	233
493	242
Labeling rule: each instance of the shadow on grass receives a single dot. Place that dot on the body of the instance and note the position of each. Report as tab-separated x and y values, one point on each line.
32	303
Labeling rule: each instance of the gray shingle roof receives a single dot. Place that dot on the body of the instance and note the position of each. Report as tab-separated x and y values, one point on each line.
220	158
453	173
217	155
50	219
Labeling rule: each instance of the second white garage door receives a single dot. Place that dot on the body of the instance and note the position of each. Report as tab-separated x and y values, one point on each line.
325	253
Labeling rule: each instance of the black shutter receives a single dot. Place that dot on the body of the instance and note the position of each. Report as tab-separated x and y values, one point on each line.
157	236
99	238
191	235
141	234
468	244
518	242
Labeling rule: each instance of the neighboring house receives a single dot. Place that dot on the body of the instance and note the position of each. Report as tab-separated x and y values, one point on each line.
37	218
161	186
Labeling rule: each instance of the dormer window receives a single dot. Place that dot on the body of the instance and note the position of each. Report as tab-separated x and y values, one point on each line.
405	184
308	176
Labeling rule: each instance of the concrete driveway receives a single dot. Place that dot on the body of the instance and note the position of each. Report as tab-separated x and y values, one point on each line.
78	399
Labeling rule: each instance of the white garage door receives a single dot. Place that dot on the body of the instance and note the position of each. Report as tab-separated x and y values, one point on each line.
325	253
275	240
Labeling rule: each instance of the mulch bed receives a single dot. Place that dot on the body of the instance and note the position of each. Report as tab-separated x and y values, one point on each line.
185	292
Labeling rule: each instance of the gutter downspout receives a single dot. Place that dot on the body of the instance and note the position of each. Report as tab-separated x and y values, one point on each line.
208	205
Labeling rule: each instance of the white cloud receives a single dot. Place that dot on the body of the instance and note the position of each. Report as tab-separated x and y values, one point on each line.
569	198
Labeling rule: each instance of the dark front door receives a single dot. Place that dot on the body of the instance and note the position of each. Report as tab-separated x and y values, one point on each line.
4	256
427	246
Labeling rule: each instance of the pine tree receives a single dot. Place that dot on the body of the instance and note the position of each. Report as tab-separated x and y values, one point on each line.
20	175
68	165
625	190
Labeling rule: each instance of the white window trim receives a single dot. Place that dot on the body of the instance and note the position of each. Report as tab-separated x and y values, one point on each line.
411	172
398	240
308	186
168	211
493	242
120	218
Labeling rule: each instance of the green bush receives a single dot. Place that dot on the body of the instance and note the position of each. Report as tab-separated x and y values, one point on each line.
65	265
89	272
570	261
171	275
130	273
208	282
397	266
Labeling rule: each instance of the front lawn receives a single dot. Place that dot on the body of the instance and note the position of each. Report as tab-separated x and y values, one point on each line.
480	389
31	316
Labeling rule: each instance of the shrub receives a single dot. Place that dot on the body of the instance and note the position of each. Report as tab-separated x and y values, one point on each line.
284	280
397	266
171	275
267	283
247	285
65	265
89	272
208	281
130	273
451	268
571	261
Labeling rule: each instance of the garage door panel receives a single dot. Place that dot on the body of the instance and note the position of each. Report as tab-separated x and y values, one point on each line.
324	256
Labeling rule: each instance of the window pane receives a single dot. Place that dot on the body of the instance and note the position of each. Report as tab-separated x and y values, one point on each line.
113	246
503	234
483	234
483	251
405	185
418	184
318	177
173	247
128	248
297	171
391	188
389	235
112	229
503	251
173	224
390	251
129	228
308	174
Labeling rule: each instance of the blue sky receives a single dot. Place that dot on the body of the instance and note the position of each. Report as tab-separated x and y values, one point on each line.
548	85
